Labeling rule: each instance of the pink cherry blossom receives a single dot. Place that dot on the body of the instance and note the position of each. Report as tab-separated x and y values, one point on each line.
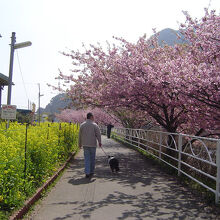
176	87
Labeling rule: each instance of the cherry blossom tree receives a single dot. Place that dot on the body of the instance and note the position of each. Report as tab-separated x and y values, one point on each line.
70	115
175	86
200	82
131	76
79	116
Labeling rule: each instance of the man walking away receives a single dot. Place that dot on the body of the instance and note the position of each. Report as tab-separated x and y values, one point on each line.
109	128
89	133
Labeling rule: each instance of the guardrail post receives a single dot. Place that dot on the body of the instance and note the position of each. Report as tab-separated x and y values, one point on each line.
138	136
160	147
217	192
146	138
179	153
127	135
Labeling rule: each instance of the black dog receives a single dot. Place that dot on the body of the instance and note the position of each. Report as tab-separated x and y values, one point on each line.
114	164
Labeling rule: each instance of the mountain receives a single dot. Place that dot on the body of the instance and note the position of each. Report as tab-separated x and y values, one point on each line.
57	104
170	37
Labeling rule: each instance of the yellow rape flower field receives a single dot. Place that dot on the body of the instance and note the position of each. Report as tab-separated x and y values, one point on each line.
47	147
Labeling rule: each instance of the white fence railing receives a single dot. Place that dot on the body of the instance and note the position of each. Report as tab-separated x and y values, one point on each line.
198	158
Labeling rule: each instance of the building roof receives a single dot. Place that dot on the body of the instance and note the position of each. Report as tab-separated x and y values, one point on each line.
24	111
3	80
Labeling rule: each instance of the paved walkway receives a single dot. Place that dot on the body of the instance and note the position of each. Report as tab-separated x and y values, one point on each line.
140	191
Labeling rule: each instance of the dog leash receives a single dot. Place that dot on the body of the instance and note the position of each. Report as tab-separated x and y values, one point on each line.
104	151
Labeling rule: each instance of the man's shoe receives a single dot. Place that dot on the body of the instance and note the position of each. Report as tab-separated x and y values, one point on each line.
91	174
87	175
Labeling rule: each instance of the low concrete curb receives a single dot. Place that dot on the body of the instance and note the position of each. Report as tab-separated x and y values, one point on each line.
27	205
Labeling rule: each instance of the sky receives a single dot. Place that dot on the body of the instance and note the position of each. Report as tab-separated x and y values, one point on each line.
54	26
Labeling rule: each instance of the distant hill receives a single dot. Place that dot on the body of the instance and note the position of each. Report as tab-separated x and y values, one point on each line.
57	104
170	37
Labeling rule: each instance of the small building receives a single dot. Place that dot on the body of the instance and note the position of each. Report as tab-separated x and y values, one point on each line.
4	81
24	111
25	116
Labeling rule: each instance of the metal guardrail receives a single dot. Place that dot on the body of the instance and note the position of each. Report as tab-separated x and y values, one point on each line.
103	129
193	156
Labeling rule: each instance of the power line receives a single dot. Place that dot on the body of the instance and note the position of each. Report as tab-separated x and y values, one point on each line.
22	75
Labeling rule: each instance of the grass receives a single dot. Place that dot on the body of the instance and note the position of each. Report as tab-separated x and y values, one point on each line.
4	215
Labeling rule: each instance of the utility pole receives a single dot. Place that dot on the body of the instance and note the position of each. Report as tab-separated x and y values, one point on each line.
13	48
39	95
13	40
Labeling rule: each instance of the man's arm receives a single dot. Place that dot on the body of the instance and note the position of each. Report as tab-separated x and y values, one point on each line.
80	137
98	135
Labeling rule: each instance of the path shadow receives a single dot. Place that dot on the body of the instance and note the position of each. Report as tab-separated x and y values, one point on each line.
133	170
143	206
81	181
166	199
